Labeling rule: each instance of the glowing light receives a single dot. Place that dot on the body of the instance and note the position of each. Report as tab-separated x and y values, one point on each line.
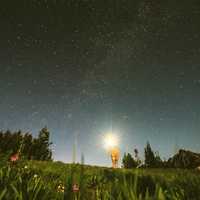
110	141
111	144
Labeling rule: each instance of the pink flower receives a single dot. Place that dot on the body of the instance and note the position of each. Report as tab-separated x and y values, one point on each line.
14	157
75	188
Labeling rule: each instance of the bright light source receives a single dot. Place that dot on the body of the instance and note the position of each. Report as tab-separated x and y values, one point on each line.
110	141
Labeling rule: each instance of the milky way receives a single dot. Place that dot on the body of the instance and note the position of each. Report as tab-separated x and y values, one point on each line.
79	66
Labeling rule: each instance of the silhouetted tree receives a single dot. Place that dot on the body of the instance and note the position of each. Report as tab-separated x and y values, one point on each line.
27	146
128	161
42	145
149	156
152	159
158	160
137	159
136	153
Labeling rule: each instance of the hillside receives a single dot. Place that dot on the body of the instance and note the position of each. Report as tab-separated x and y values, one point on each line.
185	159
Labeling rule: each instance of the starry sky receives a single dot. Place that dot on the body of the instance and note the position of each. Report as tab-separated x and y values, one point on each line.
82	67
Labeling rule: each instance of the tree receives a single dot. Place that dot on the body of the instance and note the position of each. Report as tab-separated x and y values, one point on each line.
136	153
41	146
137	159
152	159
158	160
10	142
149	156
128	161
27	146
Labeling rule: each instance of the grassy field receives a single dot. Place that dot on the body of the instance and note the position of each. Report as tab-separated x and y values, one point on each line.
55	180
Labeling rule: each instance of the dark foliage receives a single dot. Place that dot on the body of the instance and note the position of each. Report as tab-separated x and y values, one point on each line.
27	146
152	159
184	159
128	161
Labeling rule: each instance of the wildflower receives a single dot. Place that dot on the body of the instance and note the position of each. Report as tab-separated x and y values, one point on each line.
60	188
25	167
14	157
35	176
75	188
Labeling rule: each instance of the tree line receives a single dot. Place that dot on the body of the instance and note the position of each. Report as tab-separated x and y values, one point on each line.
151	159
182	159
27	146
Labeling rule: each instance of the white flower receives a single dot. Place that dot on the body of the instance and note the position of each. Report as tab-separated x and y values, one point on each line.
35	176
25	167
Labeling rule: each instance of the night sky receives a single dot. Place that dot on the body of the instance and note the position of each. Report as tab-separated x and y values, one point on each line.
80	67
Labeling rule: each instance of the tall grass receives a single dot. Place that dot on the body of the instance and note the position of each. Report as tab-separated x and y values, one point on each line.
48	180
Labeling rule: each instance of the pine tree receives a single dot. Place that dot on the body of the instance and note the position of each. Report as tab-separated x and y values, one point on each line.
152	159
149	156
41	149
